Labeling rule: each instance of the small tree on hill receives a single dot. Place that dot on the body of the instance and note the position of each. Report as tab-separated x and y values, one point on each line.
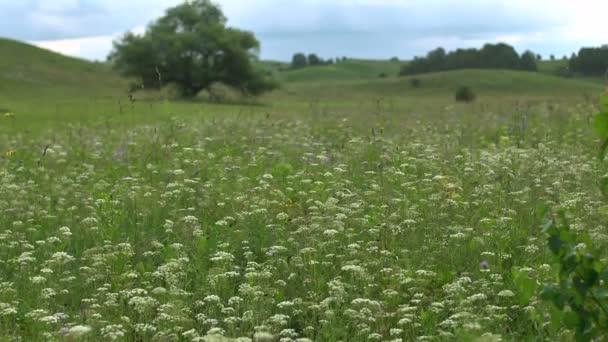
192	47
313	59
299	60
464	94
528	61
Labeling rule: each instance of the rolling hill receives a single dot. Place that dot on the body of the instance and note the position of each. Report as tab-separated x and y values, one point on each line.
501	83
27	71
43	86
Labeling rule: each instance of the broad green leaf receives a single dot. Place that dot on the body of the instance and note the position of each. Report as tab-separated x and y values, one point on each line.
527	286
603	149
571	319
555	243
600	124
604	104
604	184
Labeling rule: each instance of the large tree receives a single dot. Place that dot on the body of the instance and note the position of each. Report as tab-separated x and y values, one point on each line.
192	47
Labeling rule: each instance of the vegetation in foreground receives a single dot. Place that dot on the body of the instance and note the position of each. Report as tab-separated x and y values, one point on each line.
358	209
320	226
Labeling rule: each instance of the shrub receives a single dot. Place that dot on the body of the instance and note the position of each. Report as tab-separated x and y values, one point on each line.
465	94
416	82
579	291
382	75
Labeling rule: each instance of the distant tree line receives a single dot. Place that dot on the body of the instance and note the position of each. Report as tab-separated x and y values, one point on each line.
590	61
301	60
491	56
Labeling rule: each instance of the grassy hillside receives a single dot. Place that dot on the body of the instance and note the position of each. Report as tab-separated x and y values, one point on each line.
26	70
348	70
44	88
502	83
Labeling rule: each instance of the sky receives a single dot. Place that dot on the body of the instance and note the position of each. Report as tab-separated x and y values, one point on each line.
330	28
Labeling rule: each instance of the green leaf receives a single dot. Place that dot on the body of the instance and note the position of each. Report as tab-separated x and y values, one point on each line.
604	104
551	292
604	181
604	274
603	149
571	319
580	285
555	243
600	125
527	286
541	212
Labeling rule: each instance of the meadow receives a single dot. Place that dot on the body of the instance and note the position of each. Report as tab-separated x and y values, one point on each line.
353	209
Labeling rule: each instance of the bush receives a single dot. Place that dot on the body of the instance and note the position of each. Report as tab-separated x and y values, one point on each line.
416	82
465	94
382	75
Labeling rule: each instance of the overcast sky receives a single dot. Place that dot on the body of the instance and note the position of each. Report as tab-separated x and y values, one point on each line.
330	28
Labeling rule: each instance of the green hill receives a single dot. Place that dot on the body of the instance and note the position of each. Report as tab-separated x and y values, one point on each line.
351	69
358	69
28	71
483	82
42	87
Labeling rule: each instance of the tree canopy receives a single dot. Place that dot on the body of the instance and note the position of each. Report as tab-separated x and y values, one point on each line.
301	60
491	56
192	46
590	61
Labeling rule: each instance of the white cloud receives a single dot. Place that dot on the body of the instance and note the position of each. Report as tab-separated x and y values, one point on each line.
329	27
93	48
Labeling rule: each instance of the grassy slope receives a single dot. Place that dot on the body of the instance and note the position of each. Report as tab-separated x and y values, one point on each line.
366	69
26	70
343	71
484	82
43	88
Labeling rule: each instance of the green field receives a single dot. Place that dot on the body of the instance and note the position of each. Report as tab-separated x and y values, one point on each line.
341	207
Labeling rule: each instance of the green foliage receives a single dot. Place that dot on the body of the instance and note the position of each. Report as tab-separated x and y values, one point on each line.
464	94
299	60
313	59
416	82
491	56
590	61
191	46
580	290
600	125
528	61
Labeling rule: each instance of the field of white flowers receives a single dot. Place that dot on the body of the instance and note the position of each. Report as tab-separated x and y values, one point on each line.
326	227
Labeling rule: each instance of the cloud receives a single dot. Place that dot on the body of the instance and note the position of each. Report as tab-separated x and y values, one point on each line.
93	48
365	28
66	19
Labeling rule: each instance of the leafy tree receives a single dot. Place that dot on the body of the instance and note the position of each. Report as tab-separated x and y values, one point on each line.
491	56
313	59
528	61
192	47
590	61
464	94
299	60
